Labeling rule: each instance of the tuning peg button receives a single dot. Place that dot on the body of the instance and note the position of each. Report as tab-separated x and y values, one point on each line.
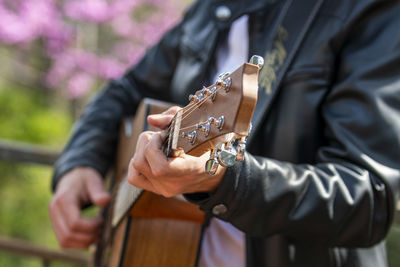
219	123
227	156
224	81
257	60
240	149
205	127
190	136
212	164
213	92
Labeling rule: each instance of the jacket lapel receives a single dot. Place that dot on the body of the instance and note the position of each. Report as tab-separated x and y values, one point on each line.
289	31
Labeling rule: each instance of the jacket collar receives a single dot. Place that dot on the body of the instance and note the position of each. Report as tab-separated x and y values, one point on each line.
237	8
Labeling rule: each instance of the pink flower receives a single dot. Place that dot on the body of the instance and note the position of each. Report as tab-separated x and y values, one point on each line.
88	10
110	68
127	52
63	65
79	84
23	22
123	25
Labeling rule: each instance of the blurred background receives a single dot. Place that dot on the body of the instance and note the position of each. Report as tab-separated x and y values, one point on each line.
54	54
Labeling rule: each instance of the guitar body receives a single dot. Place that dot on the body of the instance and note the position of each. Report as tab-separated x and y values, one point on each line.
156	231
144	229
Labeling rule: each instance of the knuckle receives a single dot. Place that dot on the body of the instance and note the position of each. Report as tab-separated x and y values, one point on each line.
57	200
136	163
173	110
131	180
167	194
159	172
75	225
170	192
65	240
148	149
60	199
146	135
179	189
176	190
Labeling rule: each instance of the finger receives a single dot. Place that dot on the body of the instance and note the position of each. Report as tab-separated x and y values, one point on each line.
67	237
139	180
97	194
172	110
162	120
183	163
71	212
156	159
139	162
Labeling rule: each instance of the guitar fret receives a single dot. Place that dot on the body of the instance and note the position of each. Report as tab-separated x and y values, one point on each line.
127	195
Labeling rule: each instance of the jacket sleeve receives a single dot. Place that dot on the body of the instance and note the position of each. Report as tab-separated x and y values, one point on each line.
94	137
347	198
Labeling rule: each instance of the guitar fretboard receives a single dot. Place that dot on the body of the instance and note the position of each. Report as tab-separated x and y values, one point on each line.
126	196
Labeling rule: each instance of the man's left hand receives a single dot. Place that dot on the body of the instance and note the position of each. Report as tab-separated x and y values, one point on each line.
151	170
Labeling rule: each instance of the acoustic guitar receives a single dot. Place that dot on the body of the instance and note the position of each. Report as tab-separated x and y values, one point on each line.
145	229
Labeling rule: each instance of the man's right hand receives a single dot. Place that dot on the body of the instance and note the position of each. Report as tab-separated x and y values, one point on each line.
75	189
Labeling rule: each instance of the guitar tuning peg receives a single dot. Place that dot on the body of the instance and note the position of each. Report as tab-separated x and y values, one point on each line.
190	136
212	164
219	123
196	98
224	81
257	60
193	98
205	91
222	76
213	93
204	127
227	156
240	149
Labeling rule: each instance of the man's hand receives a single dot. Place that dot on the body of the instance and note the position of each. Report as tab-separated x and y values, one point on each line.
151	170
77	188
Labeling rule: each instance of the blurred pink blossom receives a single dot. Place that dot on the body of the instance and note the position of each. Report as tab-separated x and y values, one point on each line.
56	23
109	67
127	52
79	84
91	10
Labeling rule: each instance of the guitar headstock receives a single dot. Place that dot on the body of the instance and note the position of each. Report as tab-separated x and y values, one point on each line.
218	117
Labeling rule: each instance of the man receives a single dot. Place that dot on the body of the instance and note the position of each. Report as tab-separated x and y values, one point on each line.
320	178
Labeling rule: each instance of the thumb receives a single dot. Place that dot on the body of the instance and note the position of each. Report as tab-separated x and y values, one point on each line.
162	120
97	194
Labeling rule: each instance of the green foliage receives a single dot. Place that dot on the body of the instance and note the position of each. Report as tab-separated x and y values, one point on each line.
25	193
29	116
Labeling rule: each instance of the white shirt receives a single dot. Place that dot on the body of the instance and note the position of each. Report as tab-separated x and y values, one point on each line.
224	245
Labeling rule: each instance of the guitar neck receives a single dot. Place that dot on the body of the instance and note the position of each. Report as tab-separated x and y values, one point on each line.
126	194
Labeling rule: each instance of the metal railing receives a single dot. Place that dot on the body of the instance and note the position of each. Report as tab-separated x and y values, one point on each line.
46	255
17	152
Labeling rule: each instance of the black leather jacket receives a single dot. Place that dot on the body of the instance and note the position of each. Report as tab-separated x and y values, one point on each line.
320	180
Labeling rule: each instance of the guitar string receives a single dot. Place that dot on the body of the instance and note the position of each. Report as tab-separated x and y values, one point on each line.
185	109
200	103
191	108
188	110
